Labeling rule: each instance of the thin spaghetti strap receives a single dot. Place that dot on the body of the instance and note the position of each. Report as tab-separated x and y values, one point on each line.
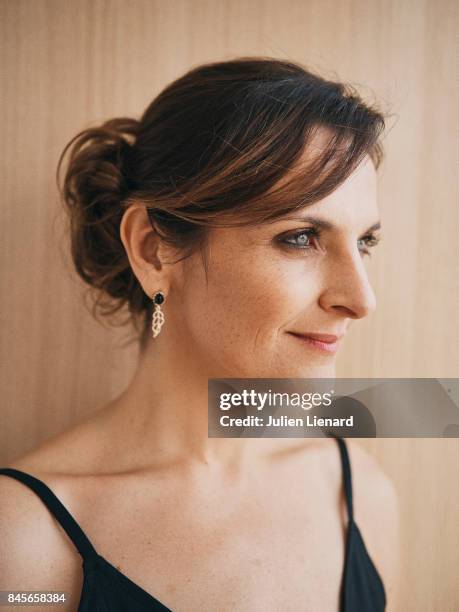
57	508
347	479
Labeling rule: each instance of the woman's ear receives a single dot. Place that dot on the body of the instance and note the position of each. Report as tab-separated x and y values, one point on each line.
144	249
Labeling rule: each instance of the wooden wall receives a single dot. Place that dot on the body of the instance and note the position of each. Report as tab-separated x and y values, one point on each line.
67	64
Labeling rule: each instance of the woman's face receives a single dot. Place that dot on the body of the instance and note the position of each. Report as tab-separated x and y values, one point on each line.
268	281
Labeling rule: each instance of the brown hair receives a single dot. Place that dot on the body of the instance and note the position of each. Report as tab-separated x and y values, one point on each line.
209	150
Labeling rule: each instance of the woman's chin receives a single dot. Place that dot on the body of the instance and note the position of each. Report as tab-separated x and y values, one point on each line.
296	371
328	371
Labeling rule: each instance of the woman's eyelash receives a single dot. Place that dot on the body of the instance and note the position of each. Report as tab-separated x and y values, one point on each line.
370	240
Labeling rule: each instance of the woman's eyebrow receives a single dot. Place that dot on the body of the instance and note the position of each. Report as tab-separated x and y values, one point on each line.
328	225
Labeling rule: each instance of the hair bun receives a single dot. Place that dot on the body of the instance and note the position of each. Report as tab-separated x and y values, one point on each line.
93	188
96	160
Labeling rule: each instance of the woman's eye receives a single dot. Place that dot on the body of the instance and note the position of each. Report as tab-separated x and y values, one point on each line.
367	243
301	240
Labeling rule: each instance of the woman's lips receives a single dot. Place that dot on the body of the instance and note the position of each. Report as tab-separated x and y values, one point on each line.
323	342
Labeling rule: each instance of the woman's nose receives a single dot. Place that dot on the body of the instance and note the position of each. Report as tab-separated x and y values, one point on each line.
348	288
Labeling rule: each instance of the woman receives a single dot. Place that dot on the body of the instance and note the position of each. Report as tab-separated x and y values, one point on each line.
231	221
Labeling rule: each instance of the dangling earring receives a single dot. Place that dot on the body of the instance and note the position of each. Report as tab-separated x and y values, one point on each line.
157	319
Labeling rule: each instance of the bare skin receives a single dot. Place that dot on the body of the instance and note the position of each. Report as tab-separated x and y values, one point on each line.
206	524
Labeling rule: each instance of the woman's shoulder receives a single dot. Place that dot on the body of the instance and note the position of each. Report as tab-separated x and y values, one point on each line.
36	554
376	512
374	491
40	554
